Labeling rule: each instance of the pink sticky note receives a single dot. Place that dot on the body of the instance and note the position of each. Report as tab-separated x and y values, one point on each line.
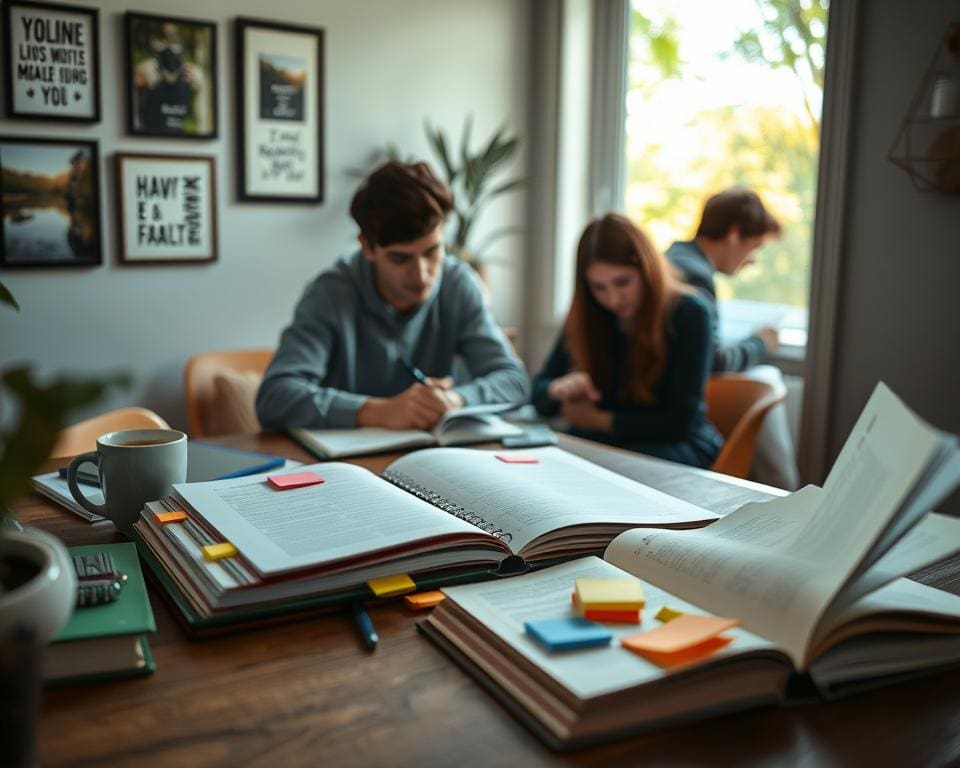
517	458
294	480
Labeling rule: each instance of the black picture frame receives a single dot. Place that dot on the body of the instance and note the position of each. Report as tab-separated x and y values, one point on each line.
171	74
280	112
49	203
51	61
166	208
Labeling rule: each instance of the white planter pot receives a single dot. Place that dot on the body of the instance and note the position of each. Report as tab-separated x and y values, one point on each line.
45	601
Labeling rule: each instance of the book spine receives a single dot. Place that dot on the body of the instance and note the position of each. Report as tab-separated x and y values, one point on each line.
410	486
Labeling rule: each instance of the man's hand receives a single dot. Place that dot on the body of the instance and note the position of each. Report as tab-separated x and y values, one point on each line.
419	407
445	387
584	414
770	336
573	386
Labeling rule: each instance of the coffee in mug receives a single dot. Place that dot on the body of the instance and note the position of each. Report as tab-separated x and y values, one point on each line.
135	466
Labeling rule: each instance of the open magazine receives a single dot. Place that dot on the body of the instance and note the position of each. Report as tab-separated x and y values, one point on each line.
815	579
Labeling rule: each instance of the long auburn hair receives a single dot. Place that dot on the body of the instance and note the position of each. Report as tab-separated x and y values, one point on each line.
614	239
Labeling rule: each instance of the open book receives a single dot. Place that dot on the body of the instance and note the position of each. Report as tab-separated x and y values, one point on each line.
814	577
471	424
440	515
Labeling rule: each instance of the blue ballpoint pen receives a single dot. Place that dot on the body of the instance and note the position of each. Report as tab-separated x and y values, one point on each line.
365	626
415	372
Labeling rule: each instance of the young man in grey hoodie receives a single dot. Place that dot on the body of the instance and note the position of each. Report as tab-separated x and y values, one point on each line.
373	339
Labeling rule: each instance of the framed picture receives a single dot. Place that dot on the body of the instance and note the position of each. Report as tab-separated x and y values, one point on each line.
168	208
280	98
52	61
171	68
50	196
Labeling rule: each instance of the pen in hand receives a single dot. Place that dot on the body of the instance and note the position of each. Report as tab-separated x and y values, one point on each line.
416	372
365	627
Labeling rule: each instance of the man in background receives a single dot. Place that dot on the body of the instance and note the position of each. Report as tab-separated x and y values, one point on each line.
373	338
733	225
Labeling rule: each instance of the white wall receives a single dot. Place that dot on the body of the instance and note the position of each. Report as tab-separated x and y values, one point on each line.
899	313
388	66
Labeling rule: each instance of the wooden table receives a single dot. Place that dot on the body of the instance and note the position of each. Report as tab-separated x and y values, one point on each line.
308	694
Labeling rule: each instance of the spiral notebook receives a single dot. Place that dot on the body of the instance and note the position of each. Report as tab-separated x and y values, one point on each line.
439	515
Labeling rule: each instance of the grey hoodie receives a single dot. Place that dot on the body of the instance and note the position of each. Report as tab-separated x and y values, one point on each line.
345	345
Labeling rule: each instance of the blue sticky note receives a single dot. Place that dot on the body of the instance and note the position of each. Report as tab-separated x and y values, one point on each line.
567	634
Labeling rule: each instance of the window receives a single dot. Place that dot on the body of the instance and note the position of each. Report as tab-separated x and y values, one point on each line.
724	94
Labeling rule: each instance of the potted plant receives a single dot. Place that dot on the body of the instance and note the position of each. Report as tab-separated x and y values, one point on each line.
37	581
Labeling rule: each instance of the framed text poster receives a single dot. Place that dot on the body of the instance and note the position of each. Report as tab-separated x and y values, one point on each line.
52	61
280	100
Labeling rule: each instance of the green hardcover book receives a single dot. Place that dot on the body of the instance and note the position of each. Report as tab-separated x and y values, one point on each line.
107	641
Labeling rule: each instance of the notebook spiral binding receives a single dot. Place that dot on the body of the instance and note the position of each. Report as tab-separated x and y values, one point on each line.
403	481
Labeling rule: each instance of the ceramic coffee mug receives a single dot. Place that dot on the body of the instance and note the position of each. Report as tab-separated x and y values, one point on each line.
135	466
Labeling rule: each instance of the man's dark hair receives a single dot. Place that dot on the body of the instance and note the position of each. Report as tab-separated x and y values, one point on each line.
736	207
400	202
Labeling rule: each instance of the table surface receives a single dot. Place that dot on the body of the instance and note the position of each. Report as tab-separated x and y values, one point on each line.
307	693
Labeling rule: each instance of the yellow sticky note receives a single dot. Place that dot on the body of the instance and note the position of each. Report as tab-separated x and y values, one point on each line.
219	551
171	517
678	635
392	585
667	613
609	594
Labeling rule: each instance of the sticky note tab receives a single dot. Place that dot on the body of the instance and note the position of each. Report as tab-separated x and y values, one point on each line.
294	480
517	458
598	614
568	633
610	594
392	585
219	551
171	517
667	613
689	655
681	634
422	600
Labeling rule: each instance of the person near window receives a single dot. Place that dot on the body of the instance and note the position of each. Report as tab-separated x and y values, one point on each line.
373	338
630	366
734	223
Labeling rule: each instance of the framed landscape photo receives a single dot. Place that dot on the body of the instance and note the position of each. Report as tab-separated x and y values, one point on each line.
51	61
171	68
168	208
280	120
50	198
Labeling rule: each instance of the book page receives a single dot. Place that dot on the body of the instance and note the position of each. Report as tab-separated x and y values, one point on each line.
504	605
778	564
477	428
528	500
352	512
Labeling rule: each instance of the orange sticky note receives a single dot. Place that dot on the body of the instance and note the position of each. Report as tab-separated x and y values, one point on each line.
422	600
294	480
517	458
689	655
171	517
682	633
625	616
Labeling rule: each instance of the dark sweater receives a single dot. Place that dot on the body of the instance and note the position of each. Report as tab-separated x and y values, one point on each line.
697	271
676	418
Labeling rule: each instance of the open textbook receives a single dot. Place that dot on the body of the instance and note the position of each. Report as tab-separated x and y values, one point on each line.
814	577
470	424
439	515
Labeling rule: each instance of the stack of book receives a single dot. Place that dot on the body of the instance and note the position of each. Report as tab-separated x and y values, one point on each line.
814	580
439	515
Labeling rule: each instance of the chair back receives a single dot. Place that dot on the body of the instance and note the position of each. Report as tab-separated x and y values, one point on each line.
737	405
220	388
82	436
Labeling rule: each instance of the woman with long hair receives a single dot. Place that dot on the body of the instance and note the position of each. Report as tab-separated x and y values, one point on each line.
631	364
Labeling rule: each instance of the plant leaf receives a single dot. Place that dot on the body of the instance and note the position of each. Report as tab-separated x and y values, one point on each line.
438	143
7	298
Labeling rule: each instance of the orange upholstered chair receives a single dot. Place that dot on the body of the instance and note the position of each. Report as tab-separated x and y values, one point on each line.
220	389
737	405
82	436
